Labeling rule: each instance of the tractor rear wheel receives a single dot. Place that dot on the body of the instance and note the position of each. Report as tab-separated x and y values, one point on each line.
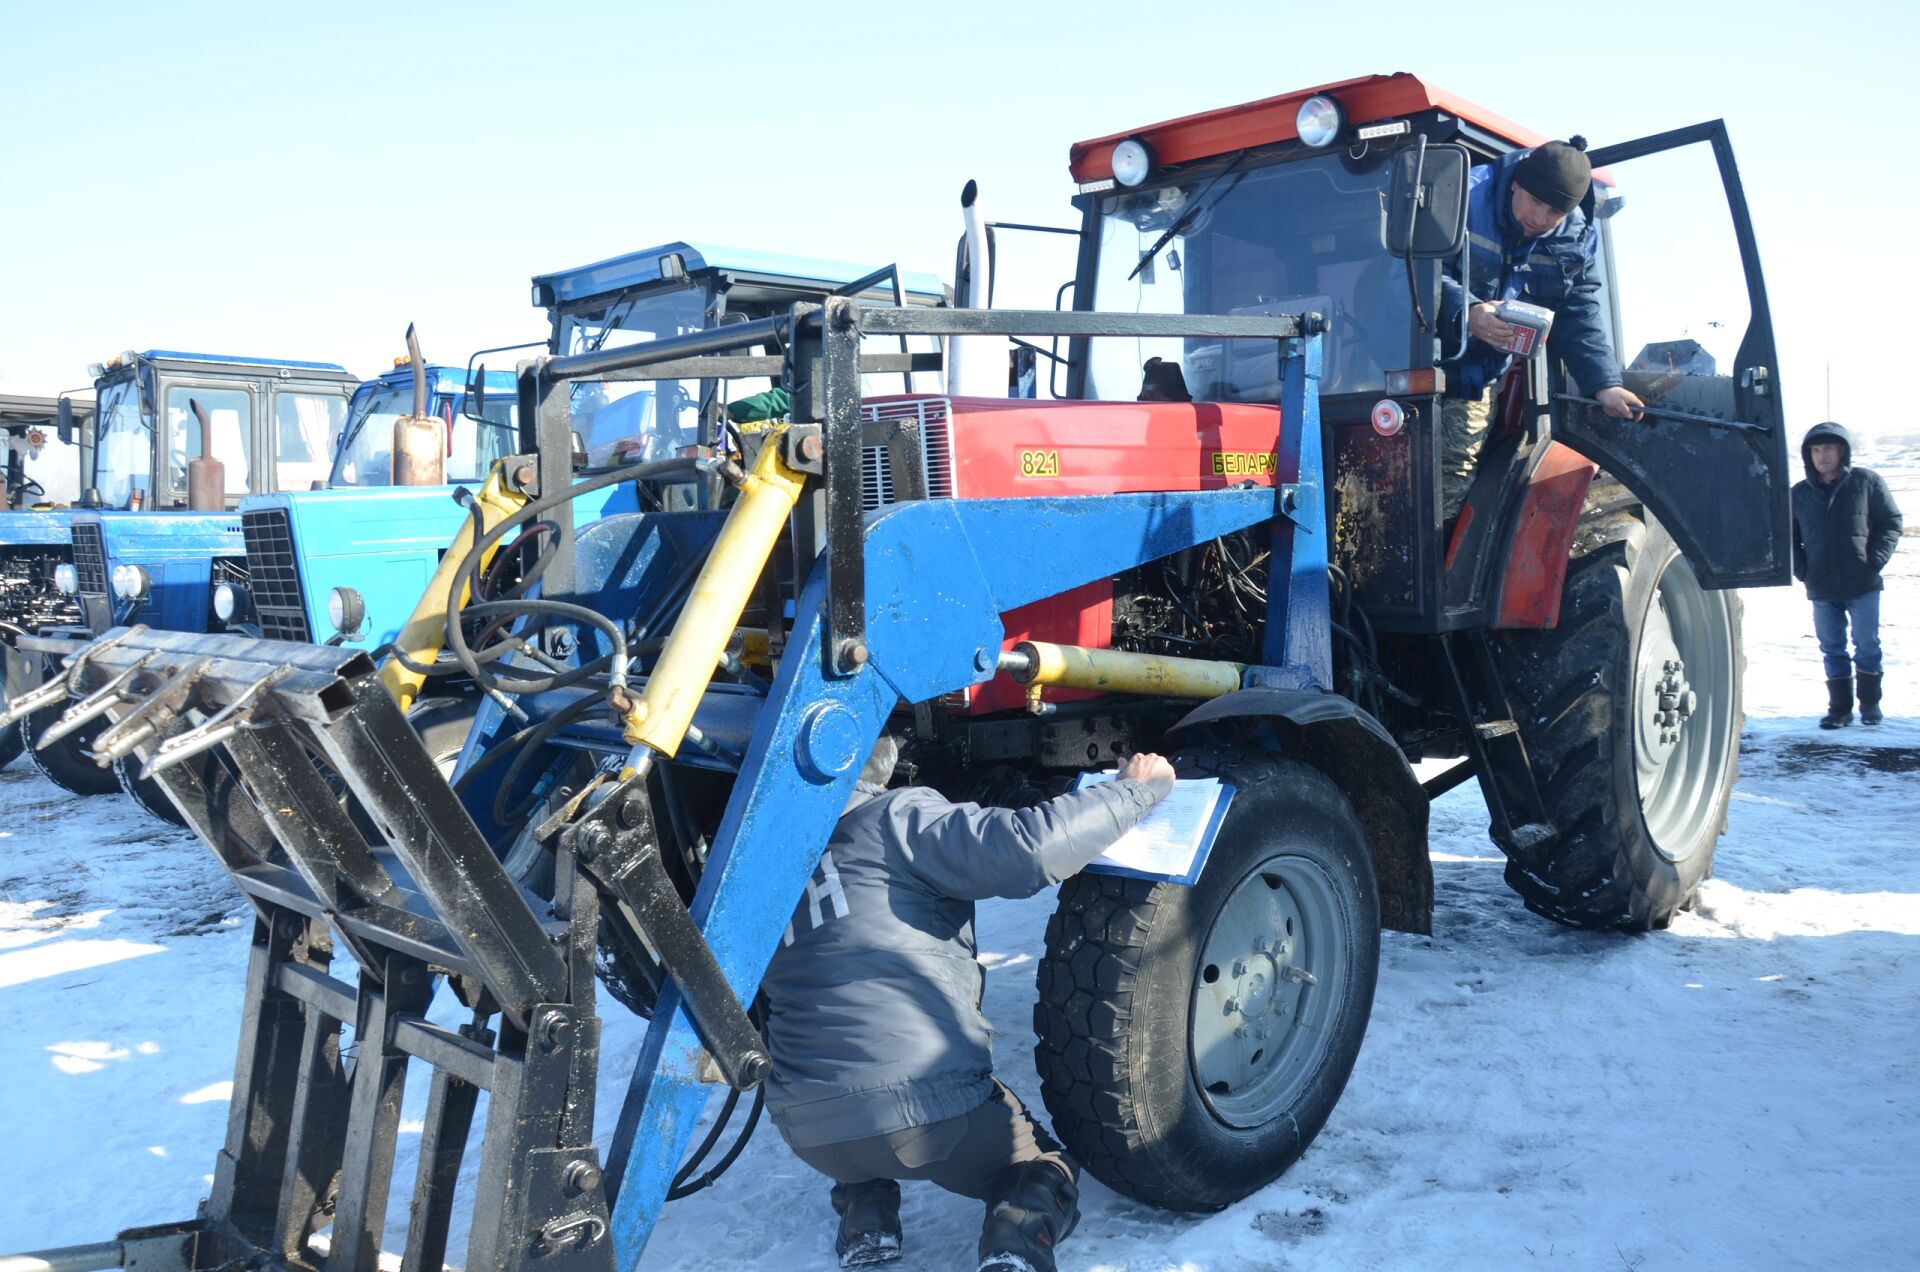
1630	709
66	763
1193	1041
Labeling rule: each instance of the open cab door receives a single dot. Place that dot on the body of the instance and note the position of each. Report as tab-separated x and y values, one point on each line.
1695	342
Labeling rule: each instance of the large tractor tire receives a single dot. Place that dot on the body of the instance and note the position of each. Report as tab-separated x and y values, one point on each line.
1630	709
145	791
10	743
1193	1041
66	763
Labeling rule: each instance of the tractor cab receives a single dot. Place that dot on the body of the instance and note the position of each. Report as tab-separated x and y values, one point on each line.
678	288
271	424
478	433
1286	206
49	443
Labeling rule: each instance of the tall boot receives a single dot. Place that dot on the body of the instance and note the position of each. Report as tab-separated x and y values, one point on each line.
869	1223
1036	1212
1839	703
1870	697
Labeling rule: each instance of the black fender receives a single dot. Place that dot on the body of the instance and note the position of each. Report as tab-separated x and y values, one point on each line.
1355	750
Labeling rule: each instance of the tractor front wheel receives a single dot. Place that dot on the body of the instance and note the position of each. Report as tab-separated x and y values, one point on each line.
66	763
1193	1041
1630	709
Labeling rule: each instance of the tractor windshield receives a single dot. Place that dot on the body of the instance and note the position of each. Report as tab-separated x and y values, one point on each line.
629	421
1285	239
124	449
366	456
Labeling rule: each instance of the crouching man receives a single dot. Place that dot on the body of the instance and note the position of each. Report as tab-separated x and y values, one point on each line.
882	1060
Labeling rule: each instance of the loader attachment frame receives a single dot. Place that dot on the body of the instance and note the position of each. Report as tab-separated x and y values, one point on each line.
297	768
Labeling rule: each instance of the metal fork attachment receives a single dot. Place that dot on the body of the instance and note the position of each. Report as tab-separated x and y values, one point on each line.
331	817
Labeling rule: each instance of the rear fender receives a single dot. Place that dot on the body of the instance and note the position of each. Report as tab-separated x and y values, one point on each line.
1528	592
1352	748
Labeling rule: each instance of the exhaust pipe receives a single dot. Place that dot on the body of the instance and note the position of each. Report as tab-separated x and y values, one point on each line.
976	365
206	476
420	442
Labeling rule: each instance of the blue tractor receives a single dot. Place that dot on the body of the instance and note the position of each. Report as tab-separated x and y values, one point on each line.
49	442
349	564
182	438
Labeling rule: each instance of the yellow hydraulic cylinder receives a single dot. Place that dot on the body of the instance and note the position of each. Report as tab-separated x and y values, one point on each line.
660	718
1116	671
421	638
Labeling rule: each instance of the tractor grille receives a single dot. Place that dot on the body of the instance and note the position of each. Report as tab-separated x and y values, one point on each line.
89	558
877	488
274	575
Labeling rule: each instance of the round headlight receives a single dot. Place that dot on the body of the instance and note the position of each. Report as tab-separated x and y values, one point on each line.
226	602
1388	417
1132	162
345	610
129	582
66	578
1320	121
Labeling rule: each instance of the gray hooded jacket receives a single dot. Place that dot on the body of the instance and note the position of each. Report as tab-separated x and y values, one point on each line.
875	1022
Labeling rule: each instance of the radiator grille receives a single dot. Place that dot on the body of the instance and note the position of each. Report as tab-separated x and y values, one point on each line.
273	574
936	451
89	558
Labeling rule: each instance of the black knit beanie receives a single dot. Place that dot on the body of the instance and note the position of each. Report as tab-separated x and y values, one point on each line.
1557	174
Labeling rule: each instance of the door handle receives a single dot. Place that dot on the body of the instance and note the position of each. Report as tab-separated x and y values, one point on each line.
1754	380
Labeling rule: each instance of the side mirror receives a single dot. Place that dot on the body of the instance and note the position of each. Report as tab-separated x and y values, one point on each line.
1427	202
63	421
476	408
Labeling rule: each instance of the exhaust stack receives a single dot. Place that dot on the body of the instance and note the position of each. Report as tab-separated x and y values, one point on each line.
420	442
206	476
976	365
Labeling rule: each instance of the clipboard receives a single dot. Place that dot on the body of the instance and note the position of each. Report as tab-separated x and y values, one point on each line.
1172	842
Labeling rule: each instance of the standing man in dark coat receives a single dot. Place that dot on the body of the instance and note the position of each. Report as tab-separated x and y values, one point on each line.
882	1060
1845	528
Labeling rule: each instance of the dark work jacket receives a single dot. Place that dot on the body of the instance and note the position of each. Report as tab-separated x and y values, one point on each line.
874	994
1557	271
1844	532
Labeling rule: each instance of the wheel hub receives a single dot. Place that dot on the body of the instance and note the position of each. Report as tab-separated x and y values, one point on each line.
1259	995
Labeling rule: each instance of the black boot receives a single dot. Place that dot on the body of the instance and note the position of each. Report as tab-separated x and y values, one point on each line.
1870	697
869	1223
1036	1212
1839	703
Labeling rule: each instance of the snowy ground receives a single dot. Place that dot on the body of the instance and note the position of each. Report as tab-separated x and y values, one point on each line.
1738	1092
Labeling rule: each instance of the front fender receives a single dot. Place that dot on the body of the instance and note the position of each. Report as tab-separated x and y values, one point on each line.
1351	747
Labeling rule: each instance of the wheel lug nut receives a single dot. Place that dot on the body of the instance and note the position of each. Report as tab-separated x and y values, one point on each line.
1239	968
1232	1006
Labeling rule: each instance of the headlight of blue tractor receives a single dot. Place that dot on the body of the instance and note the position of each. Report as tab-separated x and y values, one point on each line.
130	582
228	600
66	579
345	610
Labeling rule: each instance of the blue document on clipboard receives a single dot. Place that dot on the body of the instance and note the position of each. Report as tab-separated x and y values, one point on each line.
1172	841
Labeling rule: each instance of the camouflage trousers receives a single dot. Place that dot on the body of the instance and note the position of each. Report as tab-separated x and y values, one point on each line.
1463	430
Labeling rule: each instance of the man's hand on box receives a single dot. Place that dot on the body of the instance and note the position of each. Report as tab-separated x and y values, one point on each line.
1485	323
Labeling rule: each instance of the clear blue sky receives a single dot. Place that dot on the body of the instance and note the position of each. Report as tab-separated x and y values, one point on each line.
303	181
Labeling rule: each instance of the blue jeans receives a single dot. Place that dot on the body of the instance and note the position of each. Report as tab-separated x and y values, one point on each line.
1830	621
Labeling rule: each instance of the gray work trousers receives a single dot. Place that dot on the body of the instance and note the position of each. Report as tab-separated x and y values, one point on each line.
1463	430
972	1154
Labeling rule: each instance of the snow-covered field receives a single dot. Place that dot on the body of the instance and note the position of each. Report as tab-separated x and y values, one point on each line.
1737	1092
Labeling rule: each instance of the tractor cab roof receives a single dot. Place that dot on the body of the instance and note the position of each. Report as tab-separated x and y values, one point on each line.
1369	99
18	412
746	268
216	363
450	380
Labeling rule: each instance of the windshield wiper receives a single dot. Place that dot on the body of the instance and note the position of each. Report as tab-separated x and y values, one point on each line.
1187	218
